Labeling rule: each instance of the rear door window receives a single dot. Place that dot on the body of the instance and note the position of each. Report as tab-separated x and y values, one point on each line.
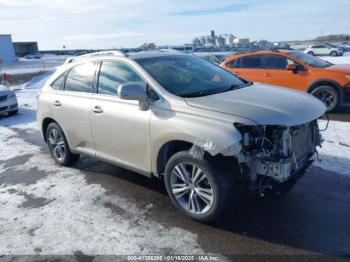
253	61
275	62
81	78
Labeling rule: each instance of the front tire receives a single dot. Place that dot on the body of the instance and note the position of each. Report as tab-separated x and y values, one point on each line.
58	146
328	95
333	53
311	53
197	187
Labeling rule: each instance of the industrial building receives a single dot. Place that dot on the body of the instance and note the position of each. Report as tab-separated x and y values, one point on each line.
7	52
213	40
25	48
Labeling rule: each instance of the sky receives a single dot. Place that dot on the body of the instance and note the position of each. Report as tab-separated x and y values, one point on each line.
130	23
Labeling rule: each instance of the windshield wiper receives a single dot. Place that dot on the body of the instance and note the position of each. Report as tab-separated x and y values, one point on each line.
235	86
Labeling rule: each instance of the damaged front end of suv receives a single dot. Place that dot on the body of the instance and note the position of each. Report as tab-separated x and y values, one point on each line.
272	158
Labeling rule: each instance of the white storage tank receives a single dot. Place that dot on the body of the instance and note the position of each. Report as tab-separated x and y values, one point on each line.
7	52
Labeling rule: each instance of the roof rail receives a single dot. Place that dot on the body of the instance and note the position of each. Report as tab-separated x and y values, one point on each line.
96	54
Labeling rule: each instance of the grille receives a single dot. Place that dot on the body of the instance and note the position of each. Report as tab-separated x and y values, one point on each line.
3	98
3	108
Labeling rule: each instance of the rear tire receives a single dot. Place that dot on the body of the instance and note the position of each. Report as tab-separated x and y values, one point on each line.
197	187
58	146
328	95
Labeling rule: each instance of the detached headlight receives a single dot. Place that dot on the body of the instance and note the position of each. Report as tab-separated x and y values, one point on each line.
347	76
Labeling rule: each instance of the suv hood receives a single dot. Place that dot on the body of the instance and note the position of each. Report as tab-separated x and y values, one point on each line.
264	104
340	68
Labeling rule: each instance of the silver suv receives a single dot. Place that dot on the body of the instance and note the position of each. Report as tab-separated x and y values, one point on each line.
203	130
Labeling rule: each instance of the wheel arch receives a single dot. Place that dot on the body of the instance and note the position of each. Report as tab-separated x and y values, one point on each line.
172	147
325	82
45	123
168	150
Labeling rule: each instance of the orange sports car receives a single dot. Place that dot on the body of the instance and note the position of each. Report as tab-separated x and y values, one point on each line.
289	68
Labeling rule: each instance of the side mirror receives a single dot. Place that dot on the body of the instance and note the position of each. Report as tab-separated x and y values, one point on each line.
134	92
291	67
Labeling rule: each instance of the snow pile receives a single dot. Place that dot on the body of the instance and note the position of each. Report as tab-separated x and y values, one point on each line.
75	216
337	59
335	151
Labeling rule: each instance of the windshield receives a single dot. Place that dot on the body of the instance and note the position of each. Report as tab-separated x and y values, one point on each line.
189	76
310	60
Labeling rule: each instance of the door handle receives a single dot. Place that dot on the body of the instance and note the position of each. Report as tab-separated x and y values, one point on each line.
97	110
267	75
57	103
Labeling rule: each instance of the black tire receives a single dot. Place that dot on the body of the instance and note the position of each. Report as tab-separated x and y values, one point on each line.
311	53
12	113
220	182
68	157
328	95
333	53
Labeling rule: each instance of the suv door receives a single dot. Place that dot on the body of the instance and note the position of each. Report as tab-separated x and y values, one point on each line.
71	99
276	72
248	67
120	129
323	50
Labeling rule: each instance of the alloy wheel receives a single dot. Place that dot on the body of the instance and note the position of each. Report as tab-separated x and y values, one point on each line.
56	144
328	97
191	188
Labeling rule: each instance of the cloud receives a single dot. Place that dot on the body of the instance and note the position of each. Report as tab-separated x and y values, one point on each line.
212	10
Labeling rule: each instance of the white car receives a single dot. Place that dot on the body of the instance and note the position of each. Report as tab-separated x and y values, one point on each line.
8	101
323	50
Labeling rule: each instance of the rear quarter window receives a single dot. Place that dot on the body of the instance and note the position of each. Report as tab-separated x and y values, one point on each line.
81	78
234	63
58	84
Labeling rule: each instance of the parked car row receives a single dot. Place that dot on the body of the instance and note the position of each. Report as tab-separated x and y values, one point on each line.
200	128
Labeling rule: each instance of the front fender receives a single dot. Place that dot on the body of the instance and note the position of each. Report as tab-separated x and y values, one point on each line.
211	135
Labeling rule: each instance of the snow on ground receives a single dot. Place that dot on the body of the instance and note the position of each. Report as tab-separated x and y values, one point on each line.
73	216
335	151
345	59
